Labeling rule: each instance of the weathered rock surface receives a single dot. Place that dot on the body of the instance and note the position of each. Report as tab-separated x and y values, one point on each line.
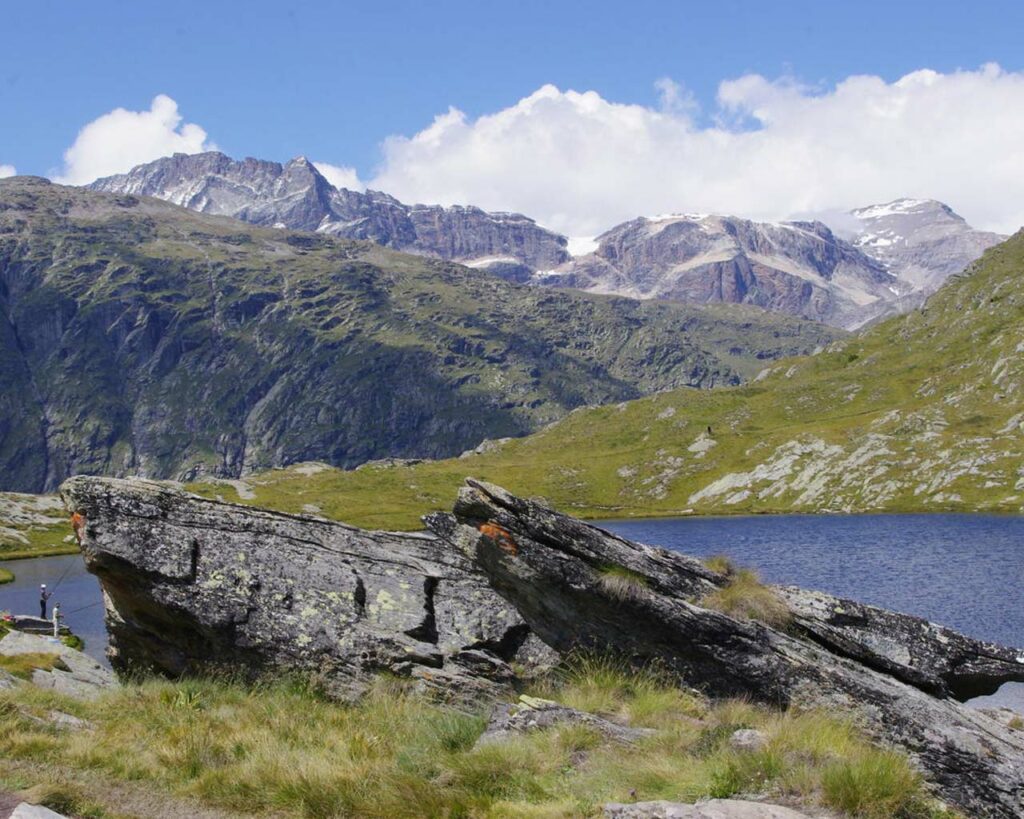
534	713
928	656
551	568
194	585
711	809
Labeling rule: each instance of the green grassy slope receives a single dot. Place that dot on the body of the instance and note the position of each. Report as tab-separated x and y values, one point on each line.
137	337
922	412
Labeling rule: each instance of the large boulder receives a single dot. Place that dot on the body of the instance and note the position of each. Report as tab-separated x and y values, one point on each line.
556	570
195	585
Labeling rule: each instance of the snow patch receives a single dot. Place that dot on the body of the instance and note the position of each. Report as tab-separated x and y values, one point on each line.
582	245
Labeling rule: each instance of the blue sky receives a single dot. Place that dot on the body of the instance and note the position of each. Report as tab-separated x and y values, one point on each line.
333	80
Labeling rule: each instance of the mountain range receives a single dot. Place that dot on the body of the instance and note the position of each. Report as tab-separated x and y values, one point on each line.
139	337
920	412
887	260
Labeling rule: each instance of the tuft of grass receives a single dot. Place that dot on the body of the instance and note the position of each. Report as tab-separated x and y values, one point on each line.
745	597
5	576
65	798
73	641
621	583
720	563
1016	723
22	665
874	784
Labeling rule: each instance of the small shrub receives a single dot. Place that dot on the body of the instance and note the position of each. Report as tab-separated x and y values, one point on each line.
73	641
621	583
1016	723
745	597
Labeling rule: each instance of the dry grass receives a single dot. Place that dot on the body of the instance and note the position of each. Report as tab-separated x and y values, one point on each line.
745	597
621	583
282	750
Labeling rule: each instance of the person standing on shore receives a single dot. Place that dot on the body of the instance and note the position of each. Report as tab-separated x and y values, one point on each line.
44	595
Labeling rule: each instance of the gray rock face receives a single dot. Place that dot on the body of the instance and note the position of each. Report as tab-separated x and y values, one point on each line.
921	241
552	568
193	585
533	713
297	196
799	268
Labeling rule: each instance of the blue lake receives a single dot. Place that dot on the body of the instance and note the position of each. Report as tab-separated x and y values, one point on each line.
77	591
963	571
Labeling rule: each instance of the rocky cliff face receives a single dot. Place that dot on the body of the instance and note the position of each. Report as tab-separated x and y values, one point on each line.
297	196
799	268
193	584
137	337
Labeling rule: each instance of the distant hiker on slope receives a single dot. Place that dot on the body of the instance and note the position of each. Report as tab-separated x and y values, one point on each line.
44	595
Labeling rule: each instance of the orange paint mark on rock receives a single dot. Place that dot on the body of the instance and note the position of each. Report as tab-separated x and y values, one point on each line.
78	524
500	536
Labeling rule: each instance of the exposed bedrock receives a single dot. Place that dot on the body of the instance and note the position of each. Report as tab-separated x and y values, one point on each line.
193	585
555	571
502	583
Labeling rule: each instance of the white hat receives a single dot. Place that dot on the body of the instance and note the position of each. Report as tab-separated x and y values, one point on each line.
42	585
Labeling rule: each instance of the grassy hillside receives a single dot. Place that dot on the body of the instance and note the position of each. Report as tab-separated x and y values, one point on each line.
922	412
137	337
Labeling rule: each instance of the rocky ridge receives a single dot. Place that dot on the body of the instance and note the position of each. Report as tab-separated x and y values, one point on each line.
895	256
297	196
192	585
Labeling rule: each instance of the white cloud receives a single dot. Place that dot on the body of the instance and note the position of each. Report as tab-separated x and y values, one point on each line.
340	176
7	170
579	163
119	140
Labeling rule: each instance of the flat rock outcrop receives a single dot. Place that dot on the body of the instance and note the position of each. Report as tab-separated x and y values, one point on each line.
75	674
194	585
711	809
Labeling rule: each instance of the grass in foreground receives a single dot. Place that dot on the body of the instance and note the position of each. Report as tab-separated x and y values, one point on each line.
281	749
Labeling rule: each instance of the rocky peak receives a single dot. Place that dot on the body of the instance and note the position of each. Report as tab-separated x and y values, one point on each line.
297	196
800	268
921	241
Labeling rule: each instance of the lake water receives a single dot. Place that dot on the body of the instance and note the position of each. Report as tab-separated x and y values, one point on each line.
963	571
77	591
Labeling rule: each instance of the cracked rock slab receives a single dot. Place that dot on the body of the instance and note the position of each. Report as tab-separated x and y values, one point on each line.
196	585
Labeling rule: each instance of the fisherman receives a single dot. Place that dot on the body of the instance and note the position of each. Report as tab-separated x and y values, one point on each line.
56	619
44	595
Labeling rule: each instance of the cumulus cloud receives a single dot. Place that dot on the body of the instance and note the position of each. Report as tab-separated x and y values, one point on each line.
340	176
7	170
119	140
770	149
